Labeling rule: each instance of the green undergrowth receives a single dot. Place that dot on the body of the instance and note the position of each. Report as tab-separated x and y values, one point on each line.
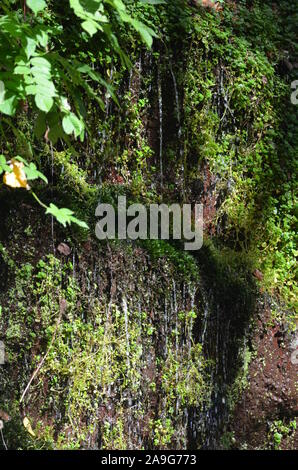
94	353
248	136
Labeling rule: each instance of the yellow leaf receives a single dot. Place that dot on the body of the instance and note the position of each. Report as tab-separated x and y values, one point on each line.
16	178
27	425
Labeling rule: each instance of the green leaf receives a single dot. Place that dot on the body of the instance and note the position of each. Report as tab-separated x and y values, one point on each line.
65	216
45	87
118	4
146	33
42	38
44	103
29	46
41	72
36	5
9	105
64	104
62	215
3	165
79	222
22	70
41	62
2	92
31	89
72	124
21	159
146	36
32	173
67	125
27	166
90	26
277	437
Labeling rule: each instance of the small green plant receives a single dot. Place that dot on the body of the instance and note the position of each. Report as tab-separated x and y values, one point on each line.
281	432
163	431
17	174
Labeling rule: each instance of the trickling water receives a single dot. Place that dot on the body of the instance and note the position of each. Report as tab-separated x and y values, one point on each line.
166	327
140	65
177	100
125	311
178	113
150	61
192	304
129	80
73	264
176	337
184	296
217	341
205	320
160	106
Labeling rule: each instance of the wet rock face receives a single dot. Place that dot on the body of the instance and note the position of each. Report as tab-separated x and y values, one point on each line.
156	326
270	401
155	396
124	322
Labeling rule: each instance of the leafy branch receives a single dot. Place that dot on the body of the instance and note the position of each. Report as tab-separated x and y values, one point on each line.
18	172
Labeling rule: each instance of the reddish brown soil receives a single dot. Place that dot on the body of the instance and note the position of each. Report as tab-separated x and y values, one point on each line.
272	393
